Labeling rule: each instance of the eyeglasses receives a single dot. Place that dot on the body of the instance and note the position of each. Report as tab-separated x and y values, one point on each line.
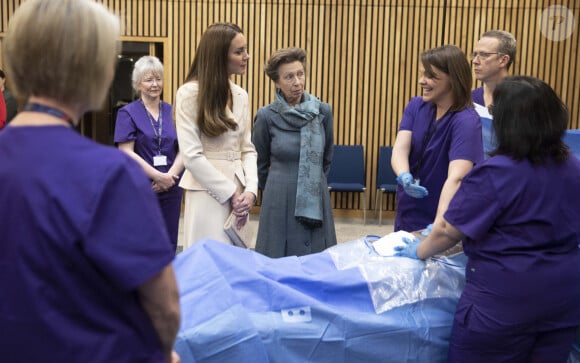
483	55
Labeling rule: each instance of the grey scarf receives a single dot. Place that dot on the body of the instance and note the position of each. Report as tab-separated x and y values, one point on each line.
309	189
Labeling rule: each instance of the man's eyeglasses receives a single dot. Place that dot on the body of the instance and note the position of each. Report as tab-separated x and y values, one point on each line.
483	55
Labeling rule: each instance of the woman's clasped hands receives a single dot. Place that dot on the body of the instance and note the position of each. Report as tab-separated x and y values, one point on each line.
241	205
163	182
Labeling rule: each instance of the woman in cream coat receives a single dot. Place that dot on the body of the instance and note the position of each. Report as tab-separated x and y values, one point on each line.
213	131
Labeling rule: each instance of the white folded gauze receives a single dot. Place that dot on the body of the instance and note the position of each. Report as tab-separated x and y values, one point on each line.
385	246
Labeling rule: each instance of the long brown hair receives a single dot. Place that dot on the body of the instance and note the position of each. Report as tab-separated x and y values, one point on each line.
210	70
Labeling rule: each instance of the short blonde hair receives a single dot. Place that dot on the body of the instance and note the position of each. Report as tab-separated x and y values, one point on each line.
64	50
507	43
146	64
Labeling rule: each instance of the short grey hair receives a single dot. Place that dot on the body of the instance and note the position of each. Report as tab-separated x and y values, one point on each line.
143	66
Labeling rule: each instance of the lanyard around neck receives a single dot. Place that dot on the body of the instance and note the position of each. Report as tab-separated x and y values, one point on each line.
157	130
37	107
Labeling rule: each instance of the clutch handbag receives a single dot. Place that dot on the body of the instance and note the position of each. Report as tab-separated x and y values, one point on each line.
243	237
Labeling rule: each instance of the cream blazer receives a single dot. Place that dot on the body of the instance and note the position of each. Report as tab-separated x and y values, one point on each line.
212	163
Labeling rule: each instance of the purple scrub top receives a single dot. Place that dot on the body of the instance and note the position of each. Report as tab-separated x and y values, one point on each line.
477	96
135	124
522	224
79	234
457	135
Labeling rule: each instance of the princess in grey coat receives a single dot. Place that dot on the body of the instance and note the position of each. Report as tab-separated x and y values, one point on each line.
294	140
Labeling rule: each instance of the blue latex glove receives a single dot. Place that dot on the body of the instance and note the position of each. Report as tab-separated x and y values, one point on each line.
413	190
405	179
416	191
427	230
409	249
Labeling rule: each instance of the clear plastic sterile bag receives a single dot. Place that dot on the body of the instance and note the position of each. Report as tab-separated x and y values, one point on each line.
396	281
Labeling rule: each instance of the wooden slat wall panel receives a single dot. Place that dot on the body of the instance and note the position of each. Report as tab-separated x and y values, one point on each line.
363	55
142	18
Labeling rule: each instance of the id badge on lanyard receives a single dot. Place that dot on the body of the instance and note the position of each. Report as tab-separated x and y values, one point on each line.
159	159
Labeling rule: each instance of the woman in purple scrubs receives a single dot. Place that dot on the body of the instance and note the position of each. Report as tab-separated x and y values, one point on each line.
518	216
144	129
86	271
439	139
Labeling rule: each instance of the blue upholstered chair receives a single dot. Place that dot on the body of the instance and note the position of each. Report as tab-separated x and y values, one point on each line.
386	178
572	139
347	172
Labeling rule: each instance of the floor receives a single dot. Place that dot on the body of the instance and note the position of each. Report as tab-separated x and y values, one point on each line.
348	228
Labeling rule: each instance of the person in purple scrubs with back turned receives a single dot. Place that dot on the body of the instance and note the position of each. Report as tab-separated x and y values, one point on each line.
517	214
145	130
86	270
439	139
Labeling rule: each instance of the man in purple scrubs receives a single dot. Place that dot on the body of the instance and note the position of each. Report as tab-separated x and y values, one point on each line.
491	59
517	214
86	270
